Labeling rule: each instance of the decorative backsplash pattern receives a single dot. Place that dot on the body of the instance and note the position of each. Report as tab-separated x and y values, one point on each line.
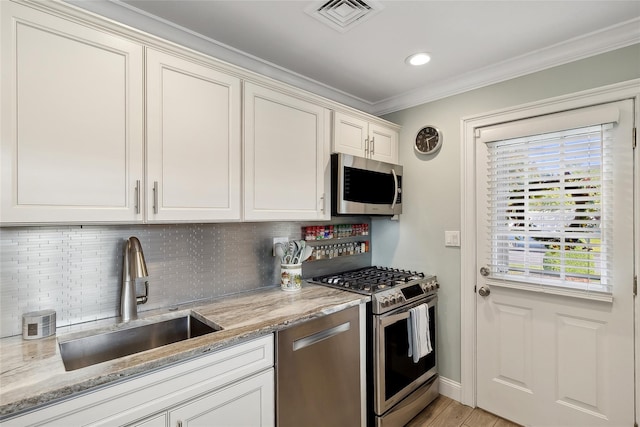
76	270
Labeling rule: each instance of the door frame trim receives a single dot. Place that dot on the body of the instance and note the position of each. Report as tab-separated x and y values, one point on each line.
468	124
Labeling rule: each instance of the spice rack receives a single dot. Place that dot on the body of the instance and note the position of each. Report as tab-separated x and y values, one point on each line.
332	232
336	241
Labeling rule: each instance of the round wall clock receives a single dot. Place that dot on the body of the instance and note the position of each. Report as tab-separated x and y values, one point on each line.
428	140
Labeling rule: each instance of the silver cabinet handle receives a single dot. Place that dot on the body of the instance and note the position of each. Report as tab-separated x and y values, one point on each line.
395	194
155	197
137	196
322	203
373	145
320	336
366	147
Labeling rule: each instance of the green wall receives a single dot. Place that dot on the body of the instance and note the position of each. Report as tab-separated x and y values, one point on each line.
431	193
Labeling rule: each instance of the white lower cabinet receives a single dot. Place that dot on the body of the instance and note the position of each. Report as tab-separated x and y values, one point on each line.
230	387
246	403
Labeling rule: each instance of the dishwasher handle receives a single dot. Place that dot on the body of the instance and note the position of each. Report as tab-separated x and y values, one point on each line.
320	336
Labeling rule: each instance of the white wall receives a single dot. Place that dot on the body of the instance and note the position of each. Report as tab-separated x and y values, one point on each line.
431	193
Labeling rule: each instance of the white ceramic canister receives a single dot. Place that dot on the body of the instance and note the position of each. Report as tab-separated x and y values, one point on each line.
290	277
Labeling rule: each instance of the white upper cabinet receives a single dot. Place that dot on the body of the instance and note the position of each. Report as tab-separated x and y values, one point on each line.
350	135
359	137
383	143
286	157
72	121
78	97
193	141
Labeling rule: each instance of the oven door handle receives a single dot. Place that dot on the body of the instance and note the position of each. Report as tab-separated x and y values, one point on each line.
403	313
395	193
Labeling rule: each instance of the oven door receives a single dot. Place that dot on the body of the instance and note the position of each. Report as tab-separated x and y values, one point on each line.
396	375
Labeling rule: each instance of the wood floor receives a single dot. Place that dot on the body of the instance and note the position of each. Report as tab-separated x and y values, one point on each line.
445	412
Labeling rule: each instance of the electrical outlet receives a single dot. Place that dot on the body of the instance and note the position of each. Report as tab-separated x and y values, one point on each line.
452	238
278	240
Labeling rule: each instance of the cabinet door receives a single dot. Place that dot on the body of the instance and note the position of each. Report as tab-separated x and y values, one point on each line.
383	143
72	121
286	157
247	403
350	135
193	141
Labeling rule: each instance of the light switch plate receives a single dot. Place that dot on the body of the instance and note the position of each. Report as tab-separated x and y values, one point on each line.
452	238
279	240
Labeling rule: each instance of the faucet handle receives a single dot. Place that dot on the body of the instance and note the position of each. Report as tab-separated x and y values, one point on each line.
142	299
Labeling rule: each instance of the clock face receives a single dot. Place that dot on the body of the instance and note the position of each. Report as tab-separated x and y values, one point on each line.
428	140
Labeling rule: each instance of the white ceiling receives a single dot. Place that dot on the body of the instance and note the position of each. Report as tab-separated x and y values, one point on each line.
472	43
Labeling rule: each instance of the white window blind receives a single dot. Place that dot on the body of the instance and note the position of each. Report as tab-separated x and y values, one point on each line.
549	203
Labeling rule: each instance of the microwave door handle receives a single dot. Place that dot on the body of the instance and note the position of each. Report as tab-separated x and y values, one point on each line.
395	194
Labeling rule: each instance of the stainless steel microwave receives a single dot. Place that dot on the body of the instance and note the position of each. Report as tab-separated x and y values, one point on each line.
362	186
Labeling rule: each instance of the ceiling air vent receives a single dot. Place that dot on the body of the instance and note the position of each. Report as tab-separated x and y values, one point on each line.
342	15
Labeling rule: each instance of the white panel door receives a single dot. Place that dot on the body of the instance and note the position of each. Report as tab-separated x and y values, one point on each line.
193	141
72	114
383	143
250	402
350	135
286	157
545	359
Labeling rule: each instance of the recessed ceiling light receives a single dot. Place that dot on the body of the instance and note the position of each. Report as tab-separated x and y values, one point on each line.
418	59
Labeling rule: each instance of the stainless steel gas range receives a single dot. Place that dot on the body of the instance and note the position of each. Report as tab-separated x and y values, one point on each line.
398	388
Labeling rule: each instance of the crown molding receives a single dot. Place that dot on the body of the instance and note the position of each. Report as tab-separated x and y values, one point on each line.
611	38
605	40
140	20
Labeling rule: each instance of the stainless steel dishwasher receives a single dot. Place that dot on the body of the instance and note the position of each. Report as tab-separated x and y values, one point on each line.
318	372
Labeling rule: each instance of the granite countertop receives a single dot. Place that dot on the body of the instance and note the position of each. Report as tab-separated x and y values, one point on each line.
32	372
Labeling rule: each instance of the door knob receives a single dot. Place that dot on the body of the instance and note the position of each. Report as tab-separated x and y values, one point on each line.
484	271
484	291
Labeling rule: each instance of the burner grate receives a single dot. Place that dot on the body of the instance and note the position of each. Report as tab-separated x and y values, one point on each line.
369	279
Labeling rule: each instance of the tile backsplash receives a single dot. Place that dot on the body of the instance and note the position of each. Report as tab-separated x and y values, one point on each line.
77	270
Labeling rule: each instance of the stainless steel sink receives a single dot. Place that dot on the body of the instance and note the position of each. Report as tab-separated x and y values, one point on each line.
86	351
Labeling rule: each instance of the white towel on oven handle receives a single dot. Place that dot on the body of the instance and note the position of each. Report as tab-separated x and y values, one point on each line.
419	334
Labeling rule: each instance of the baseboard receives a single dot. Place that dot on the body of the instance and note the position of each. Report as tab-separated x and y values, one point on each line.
450	388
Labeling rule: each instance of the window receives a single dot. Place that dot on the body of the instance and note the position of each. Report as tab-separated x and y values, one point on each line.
549	192
548	208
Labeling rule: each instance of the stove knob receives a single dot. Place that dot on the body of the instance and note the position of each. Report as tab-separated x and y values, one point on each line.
384	302
393	299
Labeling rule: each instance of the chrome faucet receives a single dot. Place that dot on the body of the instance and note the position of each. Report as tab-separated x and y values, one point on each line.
133	267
